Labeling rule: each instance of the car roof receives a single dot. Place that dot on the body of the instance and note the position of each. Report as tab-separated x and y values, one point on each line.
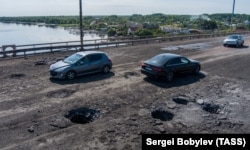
168	56
161	59
234	35
84	53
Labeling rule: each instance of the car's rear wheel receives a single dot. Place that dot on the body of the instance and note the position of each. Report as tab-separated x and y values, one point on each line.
106	69
170	76
70	75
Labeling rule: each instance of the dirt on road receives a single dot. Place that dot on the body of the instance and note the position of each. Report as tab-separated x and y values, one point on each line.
37	112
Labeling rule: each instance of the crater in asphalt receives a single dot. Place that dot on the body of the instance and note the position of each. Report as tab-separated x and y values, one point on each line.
17	75
82	115
62	93
211	108
180	100
130	74
161	114
43	62
196	46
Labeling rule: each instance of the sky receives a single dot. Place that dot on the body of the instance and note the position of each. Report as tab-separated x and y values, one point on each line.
120	7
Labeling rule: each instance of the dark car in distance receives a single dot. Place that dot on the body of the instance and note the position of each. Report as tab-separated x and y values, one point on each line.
167	65
81	63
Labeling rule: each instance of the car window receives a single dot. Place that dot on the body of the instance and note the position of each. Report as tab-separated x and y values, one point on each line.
82	61
95	57
174	61
232	37
184	60
177	61
73	58
239	37
158	60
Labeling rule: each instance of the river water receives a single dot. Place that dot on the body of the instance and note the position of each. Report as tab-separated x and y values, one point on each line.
20	34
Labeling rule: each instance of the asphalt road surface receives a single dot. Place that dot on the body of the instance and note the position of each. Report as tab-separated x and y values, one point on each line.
37	112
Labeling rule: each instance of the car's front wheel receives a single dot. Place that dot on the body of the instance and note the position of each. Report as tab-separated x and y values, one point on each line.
70	75
197	70
170	76
106	69
237	45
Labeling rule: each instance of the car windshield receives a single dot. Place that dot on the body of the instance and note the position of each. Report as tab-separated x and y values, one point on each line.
73	58
232	37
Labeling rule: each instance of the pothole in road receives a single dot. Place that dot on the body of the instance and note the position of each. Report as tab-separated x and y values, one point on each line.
130	74
82	115
211	108
163	115
196	46
42	62
63	93
17	75
180	100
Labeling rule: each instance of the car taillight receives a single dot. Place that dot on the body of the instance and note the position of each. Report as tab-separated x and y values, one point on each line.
110	60
142	64
158	69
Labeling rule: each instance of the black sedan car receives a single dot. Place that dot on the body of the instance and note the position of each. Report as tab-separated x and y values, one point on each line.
167	65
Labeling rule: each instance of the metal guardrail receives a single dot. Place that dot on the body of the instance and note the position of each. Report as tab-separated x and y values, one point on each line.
24	50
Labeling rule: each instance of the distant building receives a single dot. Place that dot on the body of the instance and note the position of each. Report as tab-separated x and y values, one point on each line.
95	22
150	26
114	26
246	23
173	30
133	26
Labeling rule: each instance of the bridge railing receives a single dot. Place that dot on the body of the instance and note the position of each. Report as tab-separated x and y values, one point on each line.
24	50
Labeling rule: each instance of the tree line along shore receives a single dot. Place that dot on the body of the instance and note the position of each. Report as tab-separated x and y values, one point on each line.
142	25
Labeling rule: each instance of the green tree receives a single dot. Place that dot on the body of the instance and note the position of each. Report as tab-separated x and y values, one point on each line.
158	32
111	32
206	24
143	32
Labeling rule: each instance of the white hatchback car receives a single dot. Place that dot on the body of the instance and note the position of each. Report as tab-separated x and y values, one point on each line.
234	40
